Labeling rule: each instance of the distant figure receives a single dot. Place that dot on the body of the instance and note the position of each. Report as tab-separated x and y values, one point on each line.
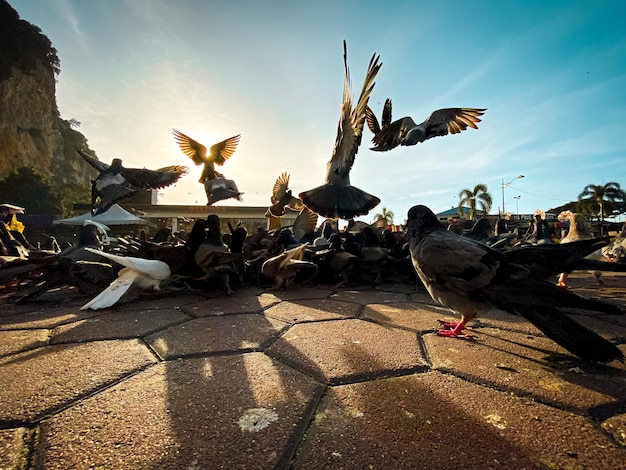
540	231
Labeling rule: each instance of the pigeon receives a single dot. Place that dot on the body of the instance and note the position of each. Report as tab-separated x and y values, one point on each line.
218	153
284	267
336	198
219	188
144	273
282	197
214	257
469	277
388	135
115	182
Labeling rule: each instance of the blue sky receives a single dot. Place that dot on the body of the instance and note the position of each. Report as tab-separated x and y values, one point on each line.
552	75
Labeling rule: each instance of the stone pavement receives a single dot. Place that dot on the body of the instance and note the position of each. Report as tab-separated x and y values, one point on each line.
306	378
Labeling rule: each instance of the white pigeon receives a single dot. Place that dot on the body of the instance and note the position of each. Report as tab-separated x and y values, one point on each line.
144	273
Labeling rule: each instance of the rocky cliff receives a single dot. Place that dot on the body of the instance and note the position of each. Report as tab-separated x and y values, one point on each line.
32	133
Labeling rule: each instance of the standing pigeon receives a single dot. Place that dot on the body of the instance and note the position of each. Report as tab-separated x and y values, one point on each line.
388	135
282	197
115	182
336	198
216	185
469	277
144	273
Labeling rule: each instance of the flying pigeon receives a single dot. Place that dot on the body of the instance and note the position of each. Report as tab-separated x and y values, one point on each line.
388	135
469	277
218	153
144	273
337	198
115	182
216	186
282	197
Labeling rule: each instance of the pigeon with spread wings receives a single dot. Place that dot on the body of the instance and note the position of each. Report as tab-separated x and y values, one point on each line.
216	186
218	153
115	182
144	273
336	198
282	197
469	277
388	135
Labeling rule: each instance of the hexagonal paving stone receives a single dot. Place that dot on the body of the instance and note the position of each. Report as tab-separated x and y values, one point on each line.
311	310
117	325
41	380
532	365
20	340
343	351
408	315
210	335
157	301
432	420
241	411
46	317
616	427
301	293
231	304
14	448
369	296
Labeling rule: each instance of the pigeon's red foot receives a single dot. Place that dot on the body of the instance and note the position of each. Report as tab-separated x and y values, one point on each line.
453	329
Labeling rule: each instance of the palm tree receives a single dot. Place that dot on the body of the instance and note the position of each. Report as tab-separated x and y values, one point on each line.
602	198
478	196
385	215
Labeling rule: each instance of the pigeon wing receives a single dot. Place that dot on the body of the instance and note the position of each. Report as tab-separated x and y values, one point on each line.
372	120
193	149
280	188
386	117
223	150
351	121
451	121
114	292
151	268
94	162
154	179
304	224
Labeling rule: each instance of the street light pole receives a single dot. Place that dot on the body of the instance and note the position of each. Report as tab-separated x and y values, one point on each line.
504	185
517	205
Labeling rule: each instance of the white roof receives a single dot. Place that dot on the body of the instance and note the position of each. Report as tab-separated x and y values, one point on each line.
116	215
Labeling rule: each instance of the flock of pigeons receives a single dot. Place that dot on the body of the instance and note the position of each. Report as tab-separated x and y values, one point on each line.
462	274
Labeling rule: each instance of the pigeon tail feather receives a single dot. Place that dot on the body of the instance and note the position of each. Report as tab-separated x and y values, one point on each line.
572	336
338	202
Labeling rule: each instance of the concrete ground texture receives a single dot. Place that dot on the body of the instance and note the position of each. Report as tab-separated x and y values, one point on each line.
302	378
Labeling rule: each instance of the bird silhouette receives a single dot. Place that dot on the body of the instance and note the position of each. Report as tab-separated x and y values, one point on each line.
389	135
469	277
336	198
216	186
115	182
144	273
282	198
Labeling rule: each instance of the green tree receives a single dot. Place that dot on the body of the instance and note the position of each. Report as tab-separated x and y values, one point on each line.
602	201
479	197
39	195
384	215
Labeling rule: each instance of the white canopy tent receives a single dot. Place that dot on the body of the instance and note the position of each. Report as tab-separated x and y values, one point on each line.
116	215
